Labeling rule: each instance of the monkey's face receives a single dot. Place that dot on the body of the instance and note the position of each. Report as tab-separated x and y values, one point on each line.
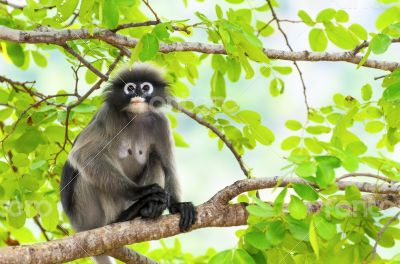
138	90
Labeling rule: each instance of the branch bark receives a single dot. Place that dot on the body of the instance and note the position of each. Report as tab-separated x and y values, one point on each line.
59	37
214	213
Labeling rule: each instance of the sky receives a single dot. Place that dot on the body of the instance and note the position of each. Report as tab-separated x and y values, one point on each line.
204	169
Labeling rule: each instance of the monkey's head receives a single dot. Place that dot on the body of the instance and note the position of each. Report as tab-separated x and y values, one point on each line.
137	90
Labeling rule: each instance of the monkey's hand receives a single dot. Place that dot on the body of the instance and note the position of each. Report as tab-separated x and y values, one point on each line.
188	214
155	206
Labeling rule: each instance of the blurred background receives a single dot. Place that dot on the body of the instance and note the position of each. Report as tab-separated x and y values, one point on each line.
204	169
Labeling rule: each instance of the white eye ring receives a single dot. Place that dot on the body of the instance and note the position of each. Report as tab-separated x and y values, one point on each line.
149	85
129	88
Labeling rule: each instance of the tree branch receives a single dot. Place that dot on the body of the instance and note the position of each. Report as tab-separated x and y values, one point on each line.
217	212
58	37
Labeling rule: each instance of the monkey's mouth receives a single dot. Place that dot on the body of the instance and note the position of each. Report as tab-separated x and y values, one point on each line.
137	100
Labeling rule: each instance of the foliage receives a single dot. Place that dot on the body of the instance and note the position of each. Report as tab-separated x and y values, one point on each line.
36	140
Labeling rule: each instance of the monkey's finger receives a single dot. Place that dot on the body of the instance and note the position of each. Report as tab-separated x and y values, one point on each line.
193	215
185	218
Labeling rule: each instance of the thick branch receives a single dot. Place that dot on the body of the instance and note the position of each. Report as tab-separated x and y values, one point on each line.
214	213
58	37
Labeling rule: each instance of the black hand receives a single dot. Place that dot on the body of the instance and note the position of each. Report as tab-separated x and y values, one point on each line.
154	209
188	214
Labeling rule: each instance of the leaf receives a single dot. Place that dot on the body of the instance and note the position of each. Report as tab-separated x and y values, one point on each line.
179	89
149	48
233	69
341	16
317	40
380	43
240	256
392	94
179	140
306	169
262	134
293	125
352	193
16	215
15	53
387	17
264	29
218	88
49	215
39	59
65	9
234	1
278	203
85	108
275	232
366	92
249	117
341	37
297	208
306	18
282	69
86	10
326	15
359	31
110	13
28	141
290	142
5	113
276	87
266	212
223	257
313	238
306	192
374	126
325	229
257	240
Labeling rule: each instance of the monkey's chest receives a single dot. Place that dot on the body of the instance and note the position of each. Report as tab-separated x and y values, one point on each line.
132	153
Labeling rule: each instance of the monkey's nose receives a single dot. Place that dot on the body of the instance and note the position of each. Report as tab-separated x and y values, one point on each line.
137	100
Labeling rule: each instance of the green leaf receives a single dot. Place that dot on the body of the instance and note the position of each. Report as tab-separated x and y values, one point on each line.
16	215
28	141
5	113
282	69
387	17
306	192
317	40
276	87
352	193
326	15
278	203
161	32
380	43
264	29
218	12
230	107
39	59
313	238
240	256
275	232
341	16
306	169
234	1
341	36
179	140
249	117
306	18
262	134
325	229
317	130
297	209
359	31
149	48
86	10
374	126
110	13
49	215
265	211
15	53
293	125
392	94
257	240
65	9
366	92
223	257
218	88
290	142
179	89
233	69
85	108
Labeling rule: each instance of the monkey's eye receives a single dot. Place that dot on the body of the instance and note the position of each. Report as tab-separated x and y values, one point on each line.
129	88
147	87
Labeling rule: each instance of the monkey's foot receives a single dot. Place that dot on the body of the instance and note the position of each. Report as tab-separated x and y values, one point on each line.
135	210
188	214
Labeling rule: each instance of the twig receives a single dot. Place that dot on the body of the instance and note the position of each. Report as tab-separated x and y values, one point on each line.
365	44
146	2
265	26
380	77
366	174
291	49
202	122
70	23
37	222
83	61
136	24
380	234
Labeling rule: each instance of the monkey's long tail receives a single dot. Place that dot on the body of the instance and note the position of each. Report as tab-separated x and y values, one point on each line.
102	259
